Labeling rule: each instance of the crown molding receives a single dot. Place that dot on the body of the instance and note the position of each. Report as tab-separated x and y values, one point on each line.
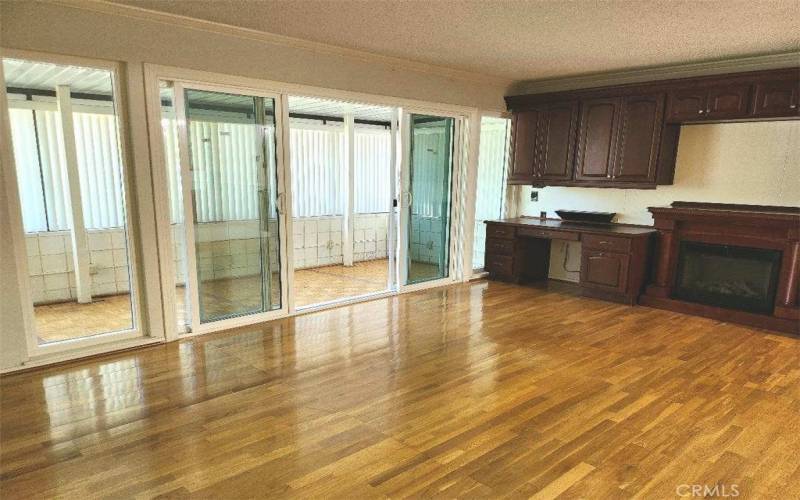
115	9
707	68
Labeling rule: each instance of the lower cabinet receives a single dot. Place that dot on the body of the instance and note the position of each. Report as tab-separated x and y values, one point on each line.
604	270
613	263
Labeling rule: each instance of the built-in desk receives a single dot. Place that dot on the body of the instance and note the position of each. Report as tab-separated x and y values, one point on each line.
614	257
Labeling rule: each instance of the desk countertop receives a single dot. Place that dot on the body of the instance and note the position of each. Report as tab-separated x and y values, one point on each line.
619	229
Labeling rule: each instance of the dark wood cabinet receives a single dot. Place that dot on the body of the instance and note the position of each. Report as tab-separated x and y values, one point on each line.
613	256
641	122
557	127
597	138
687	105
776	98
704	104
627	136
523	146
604	270
544	143
726	103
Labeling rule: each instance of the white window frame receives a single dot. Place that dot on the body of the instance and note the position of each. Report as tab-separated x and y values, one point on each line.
104	342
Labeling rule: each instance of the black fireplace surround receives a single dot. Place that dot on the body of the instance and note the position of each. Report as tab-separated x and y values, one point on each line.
732	277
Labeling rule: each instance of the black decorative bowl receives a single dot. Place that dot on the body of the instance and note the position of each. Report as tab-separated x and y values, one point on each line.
579	216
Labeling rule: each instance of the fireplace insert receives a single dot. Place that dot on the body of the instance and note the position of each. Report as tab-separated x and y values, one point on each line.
727	276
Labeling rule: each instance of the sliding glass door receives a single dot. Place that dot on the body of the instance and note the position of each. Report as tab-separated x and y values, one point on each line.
229	178
428	182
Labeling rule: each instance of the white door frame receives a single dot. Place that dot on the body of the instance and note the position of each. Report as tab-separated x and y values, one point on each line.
196	327
458	172
510	194
103	342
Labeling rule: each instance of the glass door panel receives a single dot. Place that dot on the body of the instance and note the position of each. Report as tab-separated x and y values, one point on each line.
231	146
491	191
428	200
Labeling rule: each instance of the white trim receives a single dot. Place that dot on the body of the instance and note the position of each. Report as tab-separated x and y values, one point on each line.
173	20
393	227
706	68
16	232
102	340
84	351
331	304
348	223
458	167
471	193
286	207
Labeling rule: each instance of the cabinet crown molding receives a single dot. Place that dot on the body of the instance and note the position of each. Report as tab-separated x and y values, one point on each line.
650	74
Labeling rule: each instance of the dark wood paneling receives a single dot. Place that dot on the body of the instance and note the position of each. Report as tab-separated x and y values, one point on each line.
503	231
558	125
777	98
496	246
687	105
597	137
523	146
606	243
639	138
604	270
728	102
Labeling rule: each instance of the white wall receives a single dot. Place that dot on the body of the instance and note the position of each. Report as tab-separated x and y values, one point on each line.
752	163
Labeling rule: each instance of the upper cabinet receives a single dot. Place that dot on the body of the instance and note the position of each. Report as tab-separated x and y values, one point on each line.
704	104
640	126
523	146
627	136
597	138
543	143
775	98
557	126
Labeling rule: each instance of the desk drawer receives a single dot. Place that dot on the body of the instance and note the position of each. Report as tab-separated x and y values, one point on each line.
606	243
499	231
496	246
550	234
499	265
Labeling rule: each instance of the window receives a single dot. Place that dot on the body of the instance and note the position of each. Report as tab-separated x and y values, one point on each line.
490	196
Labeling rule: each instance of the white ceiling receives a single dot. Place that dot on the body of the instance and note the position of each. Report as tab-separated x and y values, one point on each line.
520	40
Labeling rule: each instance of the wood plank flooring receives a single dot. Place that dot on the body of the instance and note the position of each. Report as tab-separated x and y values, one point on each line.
71	320
476	390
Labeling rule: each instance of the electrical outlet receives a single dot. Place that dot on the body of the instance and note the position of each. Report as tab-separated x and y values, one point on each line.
534	195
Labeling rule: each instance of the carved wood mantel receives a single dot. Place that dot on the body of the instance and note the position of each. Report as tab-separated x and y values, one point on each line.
754	226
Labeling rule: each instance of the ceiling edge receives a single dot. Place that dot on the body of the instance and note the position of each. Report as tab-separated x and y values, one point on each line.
706	68
107	7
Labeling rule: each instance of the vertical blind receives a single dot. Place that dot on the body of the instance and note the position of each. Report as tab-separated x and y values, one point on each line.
42	173
225	169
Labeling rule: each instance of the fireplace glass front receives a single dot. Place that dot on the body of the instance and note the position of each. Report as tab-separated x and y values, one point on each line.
727	276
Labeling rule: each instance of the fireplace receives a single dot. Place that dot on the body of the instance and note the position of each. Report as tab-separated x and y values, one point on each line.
727	276
734	263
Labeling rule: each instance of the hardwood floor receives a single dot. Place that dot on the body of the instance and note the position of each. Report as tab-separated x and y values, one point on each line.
477	390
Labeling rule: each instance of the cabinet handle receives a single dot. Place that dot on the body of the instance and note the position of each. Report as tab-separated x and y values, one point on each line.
700	111
793	106
604	243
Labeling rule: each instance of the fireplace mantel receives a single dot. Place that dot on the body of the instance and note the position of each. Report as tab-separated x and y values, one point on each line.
753	226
